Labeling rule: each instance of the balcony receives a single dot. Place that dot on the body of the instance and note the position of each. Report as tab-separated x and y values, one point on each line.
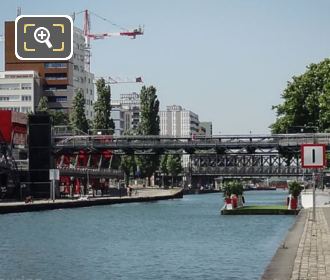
56	77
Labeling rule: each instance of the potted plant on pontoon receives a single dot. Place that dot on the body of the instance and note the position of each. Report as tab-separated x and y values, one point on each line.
295	189
233	193
227	193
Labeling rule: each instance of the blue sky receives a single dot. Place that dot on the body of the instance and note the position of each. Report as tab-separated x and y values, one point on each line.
228	61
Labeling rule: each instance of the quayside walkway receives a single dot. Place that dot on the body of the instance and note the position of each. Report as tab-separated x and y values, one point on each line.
313	255
138	195
305	253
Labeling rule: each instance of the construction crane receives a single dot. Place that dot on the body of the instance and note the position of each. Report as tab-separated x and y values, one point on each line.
93	36
116	80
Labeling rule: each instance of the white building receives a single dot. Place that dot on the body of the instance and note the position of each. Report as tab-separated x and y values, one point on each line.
179	122
82	78
125	112
19	91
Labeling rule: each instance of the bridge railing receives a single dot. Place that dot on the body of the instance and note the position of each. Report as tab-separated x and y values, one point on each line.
251	170
84	171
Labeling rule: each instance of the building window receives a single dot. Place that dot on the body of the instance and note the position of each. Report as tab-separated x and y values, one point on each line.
4	98
13	98
26	86
18	76
16	109
26	97
10	86
55	76
56	65
57	99
26	109
55	88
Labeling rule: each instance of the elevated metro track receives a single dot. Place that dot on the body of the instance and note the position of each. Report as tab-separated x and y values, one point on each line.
230	144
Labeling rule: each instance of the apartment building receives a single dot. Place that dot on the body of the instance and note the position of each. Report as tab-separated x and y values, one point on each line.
125	112
19	91
59	80
179	122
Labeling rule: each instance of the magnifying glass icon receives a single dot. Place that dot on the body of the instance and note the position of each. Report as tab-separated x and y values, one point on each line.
41	35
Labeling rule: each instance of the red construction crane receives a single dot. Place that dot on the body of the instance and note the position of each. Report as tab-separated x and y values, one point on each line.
112	80
117	80
92	36
89	35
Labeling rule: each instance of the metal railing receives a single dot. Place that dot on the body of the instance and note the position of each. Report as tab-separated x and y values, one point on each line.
149	142
251	171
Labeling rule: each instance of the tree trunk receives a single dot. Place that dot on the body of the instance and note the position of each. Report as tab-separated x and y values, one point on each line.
126	180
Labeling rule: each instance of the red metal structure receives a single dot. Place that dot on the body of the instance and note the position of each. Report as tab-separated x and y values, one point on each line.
84	160
97	36
87	24
13	127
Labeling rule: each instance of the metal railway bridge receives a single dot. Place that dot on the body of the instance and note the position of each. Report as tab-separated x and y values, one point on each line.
225	156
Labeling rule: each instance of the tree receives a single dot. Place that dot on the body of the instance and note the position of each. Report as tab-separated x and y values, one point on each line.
149	109
163	167
59	118
43	104
163	164
78	118
306	101
128	165
102	108
174	166
149	125
128	162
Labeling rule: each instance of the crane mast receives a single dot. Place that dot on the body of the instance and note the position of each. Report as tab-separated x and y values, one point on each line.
91	36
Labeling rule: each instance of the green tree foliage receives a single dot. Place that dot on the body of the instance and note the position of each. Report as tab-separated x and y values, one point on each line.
174	166
43	104
77	117
128	163
149	125
306	101
233	187
59	118
295	189
163	164
102	108
149	108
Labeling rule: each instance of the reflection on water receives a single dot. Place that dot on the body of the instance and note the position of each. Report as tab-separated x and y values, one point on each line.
176	239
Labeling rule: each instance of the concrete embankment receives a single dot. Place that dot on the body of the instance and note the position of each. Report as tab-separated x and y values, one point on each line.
281	266
305	253
140	195
260	210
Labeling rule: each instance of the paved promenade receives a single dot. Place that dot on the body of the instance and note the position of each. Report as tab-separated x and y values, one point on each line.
305	253
313	255
138	195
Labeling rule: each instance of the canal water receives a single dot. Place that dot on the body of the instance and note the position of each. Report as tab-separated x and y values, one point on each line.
175	239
